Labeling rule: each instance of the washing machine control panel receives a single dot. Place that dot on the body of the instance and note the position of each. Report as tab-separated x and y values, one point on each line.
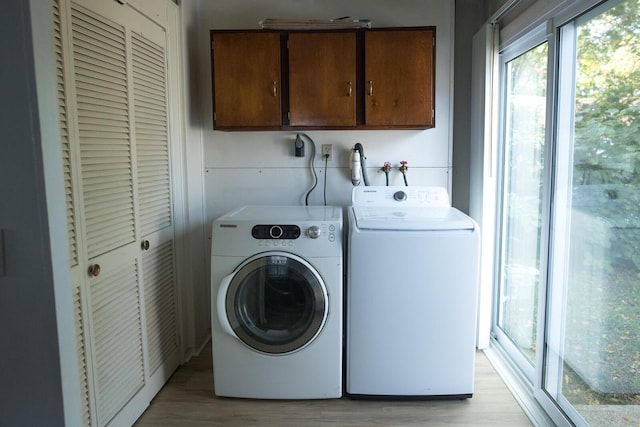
268	231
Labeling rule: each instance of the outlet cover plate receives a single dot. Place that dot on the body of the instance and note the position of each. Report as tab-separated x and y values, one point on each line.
327	149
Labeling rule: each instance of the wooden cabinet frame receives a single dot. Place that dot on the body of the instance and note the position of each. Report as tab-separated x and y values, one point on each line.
415	67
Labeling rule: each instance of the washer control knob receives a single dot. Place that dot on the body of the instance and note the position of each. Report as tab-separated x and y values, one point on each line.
400	196
313	231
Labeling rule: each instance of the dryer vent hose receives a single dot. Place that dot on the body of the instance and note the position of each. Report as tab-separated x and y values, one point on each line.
358	153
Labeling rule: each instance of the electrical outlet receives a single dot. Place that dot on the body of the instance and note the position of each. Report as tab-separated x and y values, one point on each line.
327	150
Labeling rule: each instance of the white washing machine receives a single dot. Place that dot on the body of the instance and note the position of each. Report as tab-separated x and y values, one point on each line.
276	289
412	292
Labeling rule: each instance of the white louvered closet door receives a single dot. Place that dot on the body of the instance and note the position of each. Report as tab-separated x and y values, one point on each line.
104	130
114	130
148	60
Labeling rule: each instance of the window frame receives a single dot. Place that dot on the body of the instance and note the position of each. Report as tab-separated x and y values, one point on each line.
525	44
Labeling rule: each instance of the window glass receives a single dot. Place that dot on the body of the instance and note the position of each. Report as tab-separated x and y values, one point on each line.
521	217
593	356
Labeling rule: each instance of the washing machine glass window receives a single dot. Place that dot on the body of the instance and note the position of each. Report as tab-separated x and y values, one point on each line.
277	303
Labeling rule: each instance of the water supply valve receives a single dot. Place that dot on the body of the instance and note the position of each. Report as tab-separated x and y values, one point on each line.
386	168
403	168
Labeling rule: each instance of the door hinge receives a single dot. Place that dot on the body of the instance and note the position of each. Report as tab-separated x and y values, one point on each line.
433	114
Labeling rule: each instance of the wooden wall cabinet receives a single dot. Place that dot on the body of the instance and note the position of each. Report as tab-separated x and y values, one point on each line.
340	79
322	79
247	79
399	78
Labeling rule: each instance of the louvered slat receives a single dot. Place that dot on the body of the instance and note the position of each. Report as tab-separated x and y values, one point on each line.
118	339
82	356
104	131
64	135
160	310
152	144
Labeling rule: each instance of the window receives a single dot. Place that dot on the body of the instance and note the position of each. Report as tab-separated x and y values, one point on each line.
567	306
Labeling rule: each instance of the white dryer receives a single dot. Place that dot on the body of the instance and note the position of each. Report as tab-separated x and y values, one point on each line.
411	291
276	288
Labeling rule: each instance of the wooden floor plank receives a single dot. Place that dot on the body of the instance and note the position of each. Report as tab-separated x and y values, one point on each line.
188	400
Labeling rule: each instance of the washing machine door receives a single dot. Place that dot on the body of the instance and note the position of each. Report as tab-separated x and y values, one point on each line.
274	302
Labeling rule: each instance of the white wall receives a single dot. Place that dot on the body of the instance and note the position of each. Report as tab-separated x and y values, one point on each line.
469	18
260	168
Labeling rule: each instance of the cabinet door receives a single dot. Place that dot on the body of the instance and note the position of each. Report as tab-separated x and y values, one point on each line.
322	79
246	69
399	78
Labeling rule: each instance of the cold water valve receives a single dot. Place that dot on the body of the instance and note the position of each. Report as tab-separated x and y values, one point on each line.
403	168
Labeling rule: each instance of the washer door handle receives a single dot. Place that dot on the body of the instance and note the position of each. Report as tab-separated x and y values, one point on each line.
221	304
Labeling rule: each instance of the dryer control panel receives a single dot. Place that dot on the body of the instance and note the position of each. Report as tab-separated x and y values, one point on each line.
307	231
266	231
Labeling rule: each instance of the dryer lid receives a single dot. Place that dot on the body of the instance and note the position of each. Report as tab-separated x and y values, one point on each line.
411	218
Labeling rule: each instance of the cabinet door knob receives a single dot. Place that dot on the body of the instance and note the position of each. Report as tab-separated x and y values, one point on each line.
349	89
145	245
274	88
370	87
94	270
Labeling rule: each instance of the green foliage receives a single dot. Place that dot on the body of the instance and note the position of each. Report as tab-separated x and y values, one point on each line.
607	129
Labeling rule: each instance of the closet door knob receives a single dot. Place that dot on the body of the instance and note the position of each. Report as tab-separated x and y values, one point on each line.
94	270
145	245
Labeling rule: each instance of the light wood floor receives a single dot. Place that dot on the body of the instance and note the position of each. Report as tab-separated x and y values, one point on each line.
188	400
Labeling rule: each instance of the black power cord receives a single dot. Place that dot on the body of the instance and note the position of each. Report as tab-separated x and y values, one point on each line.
326	161
311	165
